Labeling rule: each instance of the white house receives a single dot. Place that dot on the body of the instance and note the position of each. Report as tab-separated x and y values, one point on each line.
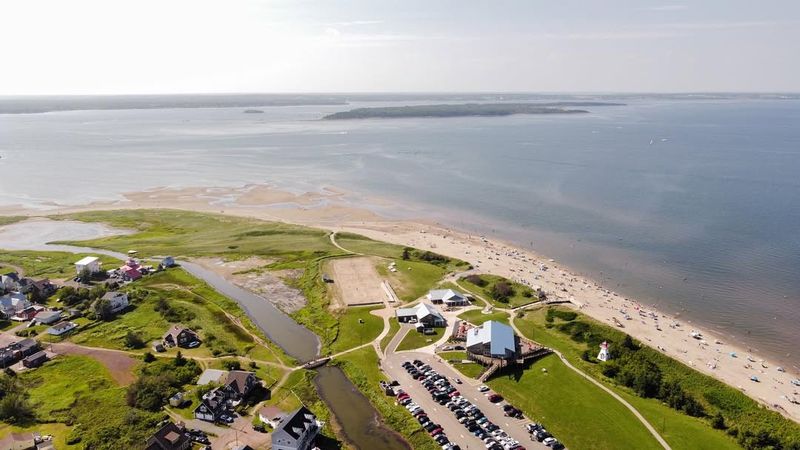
90	262
492	339
12	303
61	328
423	313
47	317
447	296
118	300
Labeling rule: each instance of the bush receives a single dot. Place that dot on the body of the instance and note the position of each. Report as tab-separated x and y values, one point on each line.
232	364
502	291
134	340
476	280
718	421
148	357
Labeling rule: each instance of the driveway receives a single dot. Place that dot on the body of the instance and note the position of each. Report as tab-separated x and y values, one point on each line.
456	432
240	432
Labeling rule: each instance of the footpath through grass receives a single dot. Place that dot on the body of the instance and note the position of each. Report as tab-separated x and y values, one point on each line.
394	327
361	367
476	317
743	416
576	412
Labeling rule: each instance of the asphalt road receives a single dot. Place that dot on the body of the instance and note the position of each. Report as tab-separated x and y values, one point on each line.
456	432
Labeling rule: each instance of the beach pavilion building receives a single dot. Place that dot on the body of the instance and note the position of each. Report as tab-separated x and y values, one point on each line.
493	340
423	313
447	297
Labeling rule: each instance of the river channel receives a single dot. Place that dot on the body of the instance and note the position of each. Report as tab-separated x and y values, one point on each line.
358	420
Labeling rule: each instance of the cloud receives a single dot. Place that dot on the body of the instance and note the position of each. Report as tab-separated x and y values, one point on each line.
725	25
610	35
356	23
667	8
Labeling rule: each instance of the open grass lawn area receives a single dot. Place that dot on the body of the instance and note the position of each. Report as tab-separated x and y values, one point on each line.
364	245
413	279
356	327
520	294
361	367
185	233
575	411
54	265
394	327
476	317
456	355
680	430
190	302
59	431
79	390
469	370
415	339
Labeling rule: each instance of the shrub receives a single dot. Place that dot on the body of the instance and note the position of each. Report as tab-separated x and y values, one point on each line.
502	291
476	280
134	340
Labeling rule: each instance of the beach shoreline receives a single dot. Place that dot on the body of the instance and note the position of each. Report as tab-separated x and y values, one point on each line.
329	209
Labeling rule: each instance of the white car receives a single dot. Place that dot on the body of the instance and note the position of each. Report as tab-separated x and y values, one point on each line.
483	388
549	441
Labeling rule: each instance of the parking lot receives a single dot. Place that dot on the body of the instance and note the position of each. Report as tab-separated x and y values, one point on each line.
455	431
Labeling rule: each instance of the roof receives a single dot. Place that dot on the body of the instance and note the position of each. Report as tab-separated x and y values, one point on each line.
499	336
238	380
47	314
28	343
112	295
167	438
10	439
87	260
421	310
175	330
270	412
37	355
211	376
445	294
63	325
296	423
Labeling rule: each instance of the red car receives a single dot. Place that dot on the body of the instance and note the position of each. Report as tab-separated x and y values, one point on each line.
495	398
436	431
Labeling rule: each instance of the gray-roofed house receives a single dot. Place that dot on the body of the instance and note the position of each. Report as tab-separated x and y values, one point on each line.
213	405
117	300
448	297
169	437
12	303
35	360
492	339
180	336
239	383
296	431
61	328
47	317
422	313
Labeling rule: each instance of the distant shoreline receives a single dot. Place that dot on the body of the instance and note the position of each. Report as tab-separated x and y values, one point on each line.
464	110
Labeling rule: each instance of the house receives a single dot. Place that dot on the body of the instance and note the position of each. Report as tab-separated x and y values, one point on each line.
239	383
9	282
47	317
271	415
18	441
26	314
169	437
130	273
178	400
13	303
44	288
296	431
168	261
180	336
62	328
422	313
448	297
90	263
118	300
25	347
492	339
213	406
35	360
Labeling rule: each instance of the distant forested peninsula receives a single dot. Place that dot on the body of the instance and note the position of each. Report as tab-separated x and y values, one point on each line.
465	109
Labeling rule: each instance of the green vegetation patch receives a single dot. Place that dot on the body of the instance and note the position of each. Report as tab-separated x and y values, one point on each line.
394	327
55	265
413	279
499	291
8	220
477	317
361	367
357	326
416	339
577	412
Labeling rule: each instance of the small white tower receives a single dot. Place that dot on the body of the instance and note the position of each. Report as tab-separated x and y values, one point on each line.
603	355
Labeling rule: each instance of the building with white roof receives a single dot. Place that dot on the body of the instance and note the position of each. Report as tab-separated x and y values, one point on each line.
12	303
493	340
448	297
423	313
90	262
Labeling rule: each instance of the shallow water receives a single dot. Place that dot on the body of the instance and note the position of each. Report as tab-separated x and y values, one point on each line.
692	205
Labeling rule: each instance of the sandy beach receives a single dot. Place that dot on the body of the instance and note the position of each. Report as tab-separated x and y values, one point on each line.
328	209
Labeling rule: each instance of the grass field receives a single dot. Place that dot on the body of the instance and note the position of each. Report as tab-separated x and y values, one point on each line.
394	327
476	317
469	370
460	355
416	340
79	390
575	411
681	431
413	279
352	332
55	265
518	298
361	367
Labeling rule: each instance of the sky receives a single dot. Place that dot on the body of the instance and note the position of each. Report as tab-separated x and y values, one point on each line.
179	46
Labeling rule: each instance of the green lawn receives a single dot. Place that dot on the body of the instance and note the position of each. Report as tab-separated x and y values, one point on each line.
681	430
518	298
79	390
415	339
364	245
413	279
469	370
352	332
476	317
454	355
55	265
394	327
361	367
578	413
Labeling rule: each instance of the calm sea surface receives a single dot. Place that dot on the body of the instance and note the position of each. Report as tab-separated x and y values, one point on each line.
691	205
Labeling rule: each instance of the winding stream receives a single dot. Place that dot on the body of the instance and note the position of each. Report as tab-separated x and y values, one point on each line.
359	422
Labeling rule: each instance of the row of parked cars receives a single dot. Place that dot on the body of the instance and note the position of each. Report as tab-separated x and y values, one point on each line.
539	433
469	415
436	432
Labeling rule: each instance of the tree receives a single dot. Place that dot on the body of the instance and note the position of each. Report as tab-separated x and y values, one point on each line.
148	357
134	340
103	310
85	276
232	364
179	359
150	391
406	254
502	291
14	404
476	280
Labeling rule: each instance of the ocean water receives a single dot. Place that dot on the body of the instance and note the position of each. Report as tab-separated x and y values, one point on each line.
692	205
